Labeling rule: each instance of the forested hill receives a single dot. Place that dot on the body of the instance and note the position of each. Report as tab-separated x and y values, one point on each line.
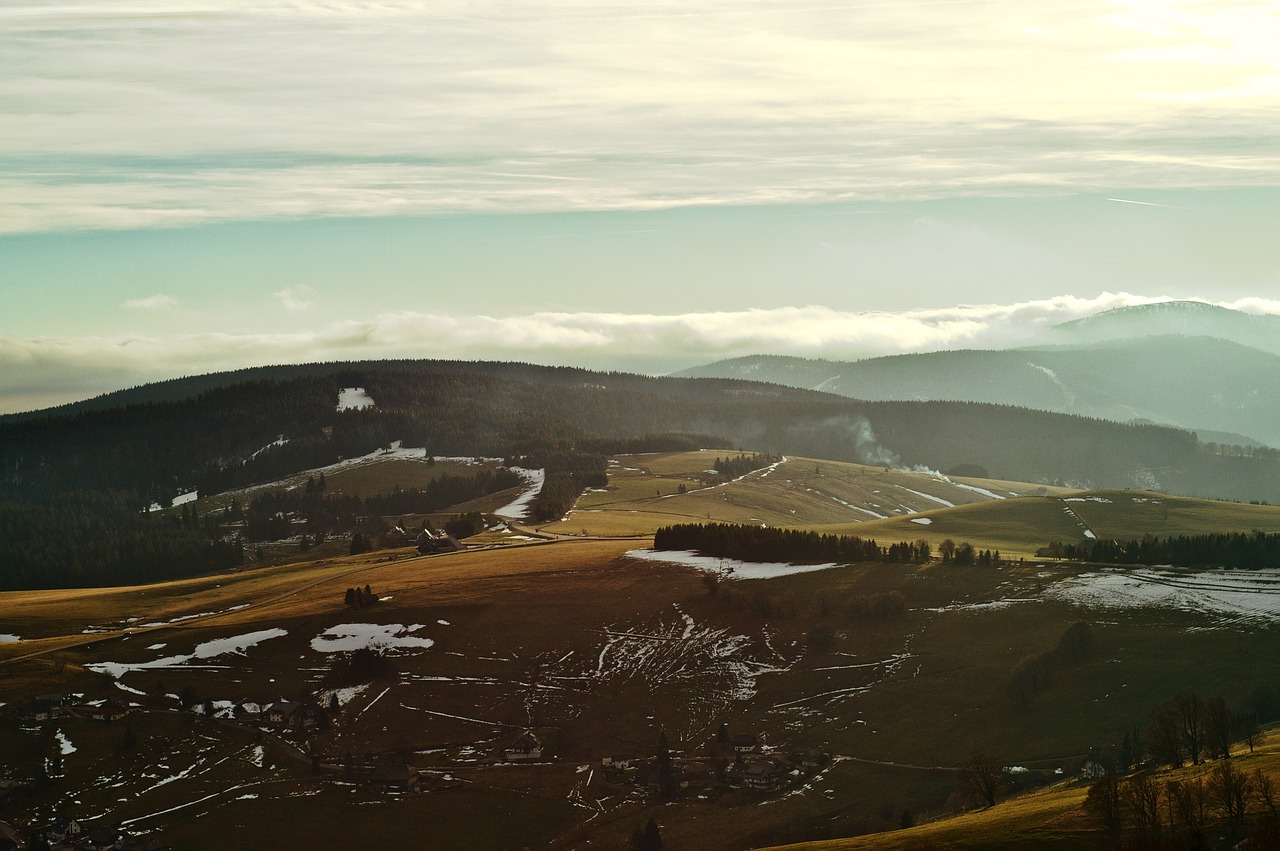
224	437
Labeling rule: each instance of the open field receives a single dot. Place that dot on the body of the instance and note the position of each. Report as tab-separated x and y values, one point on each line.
1019	527
643	494
596	653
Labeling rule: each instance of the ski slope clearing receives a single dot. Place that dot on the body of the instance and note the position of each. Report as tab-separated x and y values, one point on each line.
354	399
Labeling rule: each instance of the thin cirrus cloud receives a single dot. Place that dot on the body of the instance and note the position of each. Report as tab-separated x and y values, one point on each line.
159	301
180	112
77	365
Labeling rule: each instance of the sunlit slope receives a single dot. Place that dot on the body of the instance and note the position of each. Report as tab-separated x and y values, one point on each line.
1018	527
644	494
1049	818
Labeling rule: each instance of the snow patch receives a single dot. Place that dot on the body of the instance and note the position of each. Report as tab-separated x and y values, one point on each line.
8	638
732	567
936	499
923	521
64	743
349	637
1228	596
205	650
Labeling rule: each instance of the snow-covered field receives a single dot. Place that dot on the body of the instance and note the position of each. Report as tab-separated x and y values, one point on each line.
732	567
1229	596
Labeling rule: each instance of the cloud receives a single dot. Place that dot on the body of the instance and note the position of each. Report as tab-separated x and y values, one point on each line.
159	301
83	365
116	116
297	298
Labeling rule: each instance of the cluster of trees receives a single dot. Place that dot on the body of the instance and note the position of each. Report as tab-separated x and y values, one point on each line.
82	538
568	474
1035	673
358	598
964	554
767	543
269	514
734	467
1187	728
1151	809
1243	550
465	525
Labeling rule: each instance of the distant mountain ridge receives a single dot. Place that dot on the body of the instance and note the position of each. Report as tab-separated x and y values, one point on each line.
1226	391
1185	318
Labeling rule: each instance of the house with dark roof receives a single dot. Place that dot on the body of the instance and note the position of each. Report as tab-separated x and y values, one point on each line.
526	747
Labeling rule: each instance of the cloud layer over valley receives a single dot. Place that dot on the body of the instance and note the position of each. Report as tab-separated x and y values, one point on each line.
65	368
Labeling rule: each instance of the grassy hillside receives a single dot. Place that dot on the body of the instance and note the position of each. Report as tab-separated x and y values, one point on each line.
1052	818
1018	527
644	493
596	652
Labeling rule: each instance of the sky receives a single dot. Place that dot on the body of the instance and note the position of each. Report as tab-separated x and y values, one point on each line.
190	186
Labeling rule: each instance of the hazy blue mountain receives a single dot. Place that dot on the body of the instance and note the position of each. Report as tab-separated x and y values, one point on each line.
1187	318
1226	391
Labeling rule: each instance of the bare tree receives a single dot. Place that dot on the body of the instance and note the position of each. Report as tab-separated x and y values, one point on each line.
1218	727
1266	789
1141	796
1164	734
1187	801
1230	791
1246	726
1105	804
982	776
1191	723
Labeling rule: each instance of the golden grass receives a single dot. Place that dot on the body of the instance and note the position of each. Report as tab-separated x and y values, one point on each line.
1043	818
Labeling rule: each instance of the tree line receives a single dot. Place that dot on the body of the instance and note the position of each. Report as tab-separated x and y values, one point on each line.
768	543
1242	550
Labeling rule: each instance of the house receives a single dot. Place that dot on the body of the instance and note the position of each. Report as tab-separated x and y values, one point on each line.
42	707
307	716
279	713
430	544
110	709
395	778
761	775
524	748
618	761
65	830
746	743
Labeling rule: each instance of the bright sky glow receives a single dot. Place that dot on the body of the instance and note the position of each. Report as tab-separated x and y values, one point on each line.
638	174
